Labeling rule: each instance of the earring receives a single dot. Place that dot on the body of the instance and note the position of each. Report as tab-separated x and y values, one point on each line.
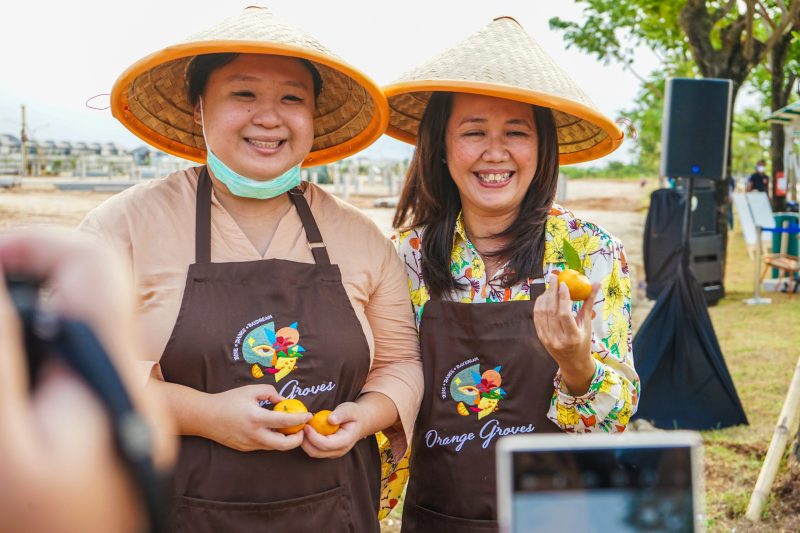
444	160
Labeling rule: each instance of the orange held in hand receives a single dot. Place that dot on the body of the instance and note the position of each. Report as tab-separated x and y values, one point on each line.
321	425
579	285
291	405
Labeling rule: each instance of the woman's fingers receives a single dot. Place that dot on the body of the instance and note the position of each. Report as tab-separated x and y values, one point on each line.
277	420
336	445
348	415
269	417
584	317
265	393
13	364
274	440
345	412
562	332
88	283
542	308
565	318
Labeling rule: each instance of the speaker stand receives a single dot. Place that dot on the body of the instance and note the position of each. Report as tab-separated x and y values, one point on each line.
687	216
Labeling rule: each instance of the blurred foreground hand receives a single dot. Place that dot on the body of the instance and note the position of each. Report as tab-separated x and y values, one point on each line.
59	469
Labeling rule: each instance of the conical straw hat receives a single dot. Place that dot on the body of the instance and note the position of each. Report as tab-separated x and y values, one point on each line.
150	98
502	60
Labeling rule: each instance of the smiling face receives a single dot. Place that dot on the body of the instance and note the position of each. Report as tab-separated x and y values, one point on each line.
491	150
258	112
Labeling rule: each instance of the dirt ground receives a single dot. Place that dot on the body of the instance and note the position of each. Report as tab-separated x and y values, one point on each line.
35	206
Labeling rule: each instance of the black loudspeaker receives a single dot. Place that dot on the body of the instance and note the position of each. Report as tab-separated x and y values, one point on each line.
704	213
694	135
706	262
704	205
663	237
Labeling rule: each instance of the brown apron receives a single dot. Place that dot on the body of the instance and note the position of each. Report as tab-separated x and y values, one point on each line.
486	376
286	324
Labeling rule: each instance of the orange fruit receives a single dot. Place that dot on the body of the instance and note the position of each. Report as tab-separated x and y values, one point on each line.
579	285
321	425
292	405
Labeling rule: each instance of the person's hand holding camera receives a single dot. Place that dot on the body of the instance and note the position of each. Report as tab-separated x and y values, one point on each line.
59	467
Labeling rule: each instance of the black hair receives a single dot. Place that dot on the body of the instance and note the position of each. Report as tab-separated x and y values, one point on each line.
430	199
201	67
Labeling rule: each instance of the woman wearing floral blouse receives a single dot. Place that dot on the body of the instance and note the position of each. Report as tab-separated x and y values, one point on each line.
492	119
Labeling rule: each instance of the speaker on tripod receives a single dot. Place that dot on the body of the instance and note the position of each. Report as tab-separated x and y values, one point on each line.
694	152
683	374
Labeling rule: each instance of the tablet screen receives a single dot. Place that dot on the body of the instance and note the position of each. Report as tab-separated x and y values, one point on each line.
622	490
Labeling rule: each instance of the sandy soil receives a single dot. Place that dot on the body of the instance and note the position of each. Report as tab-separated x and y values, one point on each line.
34	206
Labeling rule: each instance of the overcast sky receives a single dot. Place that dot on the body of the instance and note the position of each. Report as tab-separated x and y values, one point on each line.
56	54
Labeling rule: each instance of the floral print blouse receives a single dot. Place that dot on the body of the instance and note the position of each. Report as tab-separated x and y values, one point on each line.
614	391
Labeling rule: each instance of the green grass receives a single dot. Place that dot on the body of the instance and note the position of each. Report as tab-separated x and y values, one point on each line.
760	346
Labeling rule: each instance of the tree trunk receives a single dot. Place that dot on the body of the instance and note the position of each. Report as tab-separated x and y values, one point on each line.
732	60
777	143
780	89
722	188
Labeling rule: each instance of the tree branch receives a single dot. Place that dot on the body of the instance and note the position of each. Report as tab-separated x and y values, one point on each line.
789	19
722	12
696	24
787	89
765	14
748	28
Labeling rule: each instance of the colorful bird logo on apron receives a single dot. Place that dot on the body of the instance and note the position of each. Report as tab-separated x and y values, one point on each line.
271	351
477	392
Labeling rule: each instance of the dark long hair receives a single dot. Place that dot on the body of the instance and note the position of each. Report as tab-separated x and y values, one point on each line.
430	199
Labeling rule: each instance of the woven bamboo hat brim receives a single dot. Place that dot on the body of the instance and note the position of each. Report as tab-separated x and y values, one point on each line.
502	60
150	98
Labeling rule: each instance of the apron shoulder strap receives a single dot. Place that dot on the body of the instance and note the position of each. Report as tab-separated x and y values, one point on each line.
202	244
313	235
202	232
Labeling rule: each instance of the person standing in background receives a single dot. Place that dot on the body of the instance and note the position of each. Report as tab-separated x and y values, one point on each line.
759	180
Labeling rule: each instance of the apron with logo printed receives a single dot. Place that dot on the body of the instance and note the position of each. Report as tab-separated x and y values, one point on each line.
487	375
286	324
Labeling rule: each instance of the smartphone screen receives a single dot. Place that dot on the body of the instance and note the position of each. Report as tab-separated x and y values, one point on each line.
620	490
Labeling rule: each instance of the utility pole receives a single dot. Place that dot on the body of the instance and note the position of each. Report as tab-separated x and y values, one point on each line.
24	141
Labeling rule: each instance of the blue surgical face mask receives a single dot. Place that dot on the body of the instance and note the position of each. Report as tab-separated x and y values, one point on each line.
243	186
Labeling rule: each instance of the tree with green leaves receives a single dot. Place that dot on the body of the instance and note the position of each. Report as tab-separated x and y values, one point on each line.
723	38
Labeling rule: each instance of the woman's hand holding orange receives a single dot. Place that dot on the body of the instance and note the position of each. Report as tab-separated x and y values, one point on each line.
370	413
239	422
350	418
565	336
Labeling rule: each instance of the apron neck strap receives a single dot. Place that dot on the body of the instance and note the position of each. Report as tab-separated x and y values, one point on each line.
202	232
310	225
202	243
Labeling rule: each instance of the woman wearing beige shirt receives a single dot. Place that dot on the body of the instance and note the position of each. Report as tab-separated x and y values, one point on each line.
256	287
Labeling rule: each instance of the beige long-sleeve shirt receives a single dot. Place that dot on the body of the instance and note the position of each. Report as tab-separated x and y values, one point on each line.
153	225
